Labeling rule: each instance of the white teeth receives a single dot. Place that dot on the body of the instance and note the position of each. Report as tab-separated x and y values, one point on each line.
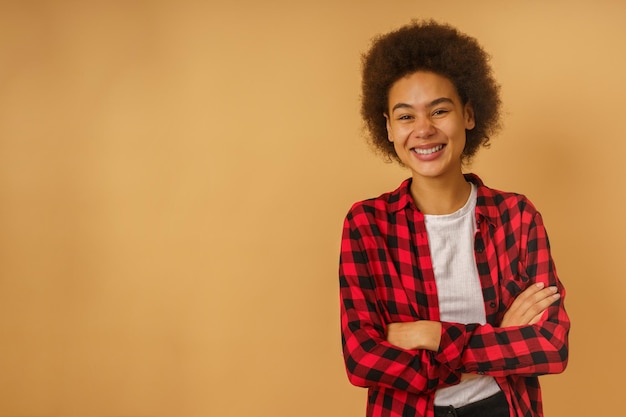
428	151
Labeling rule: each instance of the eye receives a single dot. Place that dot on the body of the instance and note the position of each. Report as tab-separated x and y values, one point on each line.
440	112
405	117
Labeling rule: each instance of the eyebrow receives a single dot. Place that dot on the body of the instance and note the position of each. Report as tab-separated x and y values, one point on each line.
429	105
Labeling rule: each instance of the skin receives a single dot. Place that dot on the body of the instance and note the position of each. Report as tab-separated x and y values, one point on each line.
425	114
526	309
427	123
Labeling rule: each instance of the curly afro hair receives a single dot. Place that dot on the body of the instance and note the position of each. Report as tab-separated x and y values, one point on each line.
438	48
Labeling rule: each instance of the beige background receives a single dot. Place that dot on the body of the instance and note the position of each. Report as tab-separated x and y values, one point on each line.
174	176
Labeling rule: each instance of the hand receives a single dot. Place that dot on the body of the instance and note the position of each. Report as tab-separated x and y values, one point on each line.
528	307
422	334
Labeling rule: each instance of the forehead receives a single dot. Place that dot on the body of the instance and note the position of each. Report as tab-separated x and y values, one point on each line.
422	87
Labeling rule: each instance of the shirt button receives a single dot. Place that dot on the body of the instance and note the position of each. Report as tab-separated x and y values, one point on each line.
492	304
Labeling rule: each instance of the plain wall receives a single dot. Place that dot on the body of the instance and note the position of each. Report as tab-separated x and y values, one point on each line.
174	177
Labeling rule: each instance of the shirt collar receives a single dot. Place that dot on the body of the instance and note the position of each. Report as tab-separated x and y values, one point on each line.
486	204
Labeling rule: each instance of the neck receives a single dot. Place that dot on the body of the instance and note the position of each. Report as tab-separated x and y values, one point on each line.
440	195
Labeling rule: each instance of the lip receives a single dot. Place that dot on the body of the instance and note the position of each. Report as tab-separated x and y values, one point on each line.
428	156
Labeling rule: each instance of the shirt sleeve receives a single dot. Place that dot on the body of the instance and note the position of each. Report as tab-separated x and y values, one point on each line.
370	360
530	350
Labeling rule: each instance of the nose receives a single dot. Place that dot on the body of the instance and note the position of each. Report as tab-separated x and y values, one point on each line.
423	127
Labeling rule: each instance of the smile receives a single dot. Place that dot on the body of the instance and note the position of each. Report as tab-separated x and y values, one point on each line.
428	151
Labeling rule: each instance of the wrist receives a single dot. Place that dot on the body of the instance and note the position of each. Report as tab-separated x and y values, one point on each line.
430	335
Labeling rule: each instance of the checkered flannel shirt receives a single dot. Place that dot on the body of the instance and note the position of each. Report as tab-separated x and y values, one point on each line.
386	276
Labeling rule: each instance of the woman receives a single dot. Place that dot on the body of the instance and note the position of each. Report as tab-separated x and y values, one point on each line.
450	302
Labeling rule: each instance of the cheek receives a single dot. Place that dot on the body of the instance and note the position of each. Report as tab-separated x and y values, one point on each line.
402	152
458	130
401	131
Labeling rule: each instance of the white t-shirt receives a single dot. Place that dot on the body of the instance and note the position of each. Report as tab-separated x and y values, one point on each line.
451	242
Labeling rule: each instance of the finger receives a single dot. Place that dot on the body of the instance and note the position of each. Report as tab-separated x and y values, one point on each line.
537	310
529	304
524	300
541	295
531	291
536	301
534	297
537	318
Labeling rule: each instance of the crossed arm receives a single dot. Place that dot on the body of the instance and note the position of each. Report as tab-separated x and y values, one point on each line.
422	356
527	309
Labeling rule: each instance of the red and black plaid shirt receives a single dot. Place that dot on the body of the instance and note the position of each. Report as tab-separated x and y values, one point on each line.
386	276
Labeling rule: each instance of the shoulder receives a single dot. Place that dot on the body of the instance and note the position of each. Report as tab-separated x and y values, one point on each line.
506	206
374	210
505	199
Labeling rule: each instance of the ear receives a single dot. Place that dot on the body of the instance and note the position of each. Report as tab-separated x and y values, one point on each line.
468	113
389	137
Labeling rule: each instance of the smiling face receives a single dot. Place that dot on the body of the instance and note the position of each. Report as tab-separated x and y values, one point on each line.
426	122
